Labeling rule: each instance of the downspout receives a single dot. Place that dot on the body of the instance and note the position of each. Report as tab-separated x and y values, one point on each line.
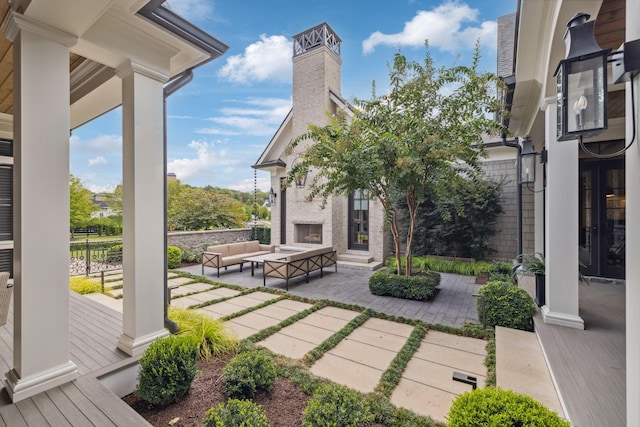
178	82
518	192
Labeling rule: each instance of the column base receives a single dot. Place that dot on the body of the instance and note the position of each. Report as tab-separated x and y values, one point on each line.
22	388
561	319
137	346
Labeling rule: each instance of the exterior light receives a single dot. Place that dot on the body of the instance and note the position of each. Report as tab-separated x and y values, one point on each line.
272	196
300	178
581	82
527	162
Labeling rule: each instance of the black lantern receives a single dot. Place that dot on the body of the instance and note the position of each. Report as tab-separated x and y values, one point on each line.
581	82
527	162
272	196
300	177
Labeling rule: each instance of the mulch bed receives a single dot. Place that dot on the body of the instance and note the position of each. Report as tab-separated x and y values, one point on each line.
284	405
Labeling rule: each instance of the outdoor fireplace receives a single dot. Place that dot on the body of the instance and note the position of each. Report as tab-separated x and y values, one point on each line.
308	233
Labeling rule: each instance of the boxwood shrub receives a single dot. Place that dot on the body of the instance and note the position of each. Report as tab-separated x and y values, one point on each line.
167	368
337	406
498	407
247	373
420	286
174	256
236	413
506	305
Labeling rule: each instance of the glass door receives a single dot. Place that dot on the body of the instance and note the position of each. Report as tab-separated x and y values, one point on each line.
359	220
602	219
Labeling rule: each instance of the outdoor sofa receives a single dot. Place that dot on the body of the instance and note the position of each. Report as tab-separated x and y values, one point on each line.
298	264
233	253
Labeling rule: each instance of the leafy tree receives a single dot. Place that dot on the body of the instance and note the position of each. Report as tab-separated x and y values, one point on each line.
405	144
461	222
198	209
80	204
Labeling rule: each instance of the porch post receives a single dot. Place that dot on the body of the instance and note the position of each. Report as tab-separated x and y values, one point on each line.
142	207
561	252
41	208
632	240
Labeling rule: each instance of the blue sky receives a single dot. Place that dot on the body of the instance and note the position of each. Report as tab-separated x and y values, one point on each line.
219	124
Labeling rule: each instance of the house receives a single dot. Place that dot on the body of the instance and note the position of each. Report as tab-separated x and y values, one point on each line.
352	225
64	63
581	207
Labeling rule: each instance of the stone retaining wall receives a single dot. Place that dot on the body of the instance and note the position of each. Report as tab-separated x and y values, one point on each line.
199	240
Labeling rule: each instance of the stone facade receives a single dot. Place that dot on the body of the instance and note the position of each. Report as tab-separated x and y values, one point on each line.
199	240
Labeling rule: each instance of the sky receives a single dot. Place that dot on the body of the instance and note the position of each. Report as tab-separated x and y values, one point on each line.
220	123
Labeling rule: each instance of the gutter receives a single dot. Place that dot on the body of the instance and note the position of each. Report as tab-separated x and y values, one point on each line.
518	191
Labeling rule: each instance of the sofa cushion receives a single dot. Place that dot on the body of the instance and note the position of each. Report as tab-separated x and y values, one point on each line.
236	248
223	250
252	246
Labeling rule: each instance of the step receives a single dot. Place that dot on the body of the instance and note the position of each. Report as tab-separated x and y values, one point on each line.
362	259
371	266
522	367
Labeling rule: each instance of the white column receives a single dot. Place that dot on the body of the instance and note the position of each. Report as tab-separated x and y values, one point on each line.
632	240
561	212
142	208
41	208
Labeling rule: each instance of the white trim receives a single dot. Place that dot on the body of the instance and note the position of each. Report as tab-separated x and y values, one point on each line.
17	22
137	346
131	67
553	379
561	319
22	388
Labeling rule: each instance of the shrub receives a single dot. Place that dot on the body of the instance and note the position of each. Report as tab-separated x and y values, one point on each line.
174	256
191	256
167	368
420	286
497	407
337	406
84	285
236	413
211	336
506	305
247	373
261	234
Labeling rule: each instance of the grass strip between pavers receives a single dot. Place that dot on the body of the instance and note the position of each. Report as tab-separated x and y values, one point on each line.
391	377
254	308
265	333
490	363
335	339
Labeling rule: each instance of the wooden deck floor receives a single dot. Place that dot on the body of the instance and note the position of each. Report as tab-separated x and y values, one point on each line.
94	330
589	365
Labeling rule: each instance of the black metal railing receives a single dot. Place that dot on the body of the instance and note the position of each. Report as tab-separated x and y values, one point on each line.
93	257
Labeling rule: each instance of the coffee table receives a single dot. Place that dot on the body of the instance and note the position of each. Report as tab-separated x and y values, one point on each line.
255	260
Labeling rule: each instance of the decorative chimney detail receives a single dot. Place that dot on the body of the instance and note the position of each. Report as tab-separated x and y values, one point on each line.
320	35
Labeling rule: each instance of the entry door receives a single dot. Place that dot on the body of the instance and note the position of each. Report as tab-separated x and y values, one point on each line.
359	221
602	219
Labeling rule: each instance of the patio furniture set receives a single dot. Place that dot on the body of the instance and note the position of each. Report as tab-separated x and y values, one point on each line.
277	265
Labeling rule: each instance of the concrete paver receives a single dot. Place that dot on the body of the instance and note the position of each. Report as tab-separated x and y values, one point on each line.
265	317
472	345
179	280
365	354
347	372
381	339
288	346
438	376
452	357
422	399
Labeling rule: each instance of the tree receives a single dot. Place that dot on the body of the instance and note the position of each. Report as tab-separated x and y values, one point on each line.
197	209
425	131
80	204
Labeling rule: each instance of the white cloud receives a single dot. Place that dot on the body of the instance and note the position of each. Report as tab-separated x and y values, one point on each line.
267	59
247	185
442	27
100	160
254	117
107	188
203	166
192	10
100	145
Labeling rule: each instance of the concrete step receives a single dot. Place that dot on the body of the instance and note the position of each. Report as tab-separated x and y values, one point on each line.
522	367
371	266
362	259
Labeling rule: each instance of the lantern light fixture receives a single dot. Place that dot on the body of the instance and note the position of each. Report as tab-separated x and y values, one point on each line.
272	196
527	162
581	82
300	177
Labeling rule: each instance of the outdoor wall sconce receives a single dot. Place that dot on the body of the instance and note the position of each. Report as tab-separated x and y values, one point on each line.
300	177
272	196
527	162
581	82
